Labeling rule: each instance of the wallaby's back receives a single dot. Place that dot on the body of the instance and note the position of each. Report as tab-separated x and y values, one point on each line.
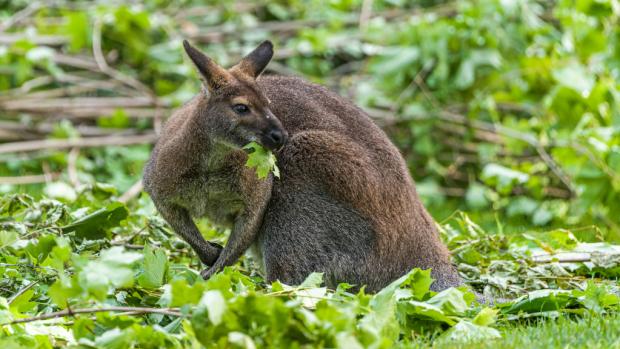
345	204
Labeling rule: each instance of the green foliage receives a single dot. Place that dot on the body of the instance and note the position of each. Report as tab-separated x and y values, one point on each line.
262	160
129	263
506	110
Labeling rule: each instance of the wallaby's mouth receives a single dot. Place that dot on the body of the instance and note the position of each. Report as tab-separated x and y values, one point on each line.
274	139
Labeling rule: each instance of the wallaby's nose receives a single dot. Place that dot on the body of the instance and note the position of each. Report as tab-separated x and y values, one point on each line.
278	137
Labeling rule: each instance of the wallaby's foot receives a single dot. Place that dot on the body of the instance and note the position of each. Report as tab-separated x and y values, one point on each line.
207	273
210	254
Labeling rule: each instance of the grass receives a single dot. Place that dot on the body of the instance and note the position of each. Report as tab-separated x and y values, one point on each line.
590	332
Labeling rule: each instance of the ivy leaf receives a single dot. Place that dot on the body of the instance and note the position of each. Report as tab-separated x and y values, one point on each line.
111	269
155	267
598	298
575	77
541	301
486	317
262	160
313	280
214	304
95	225
466	331
451	301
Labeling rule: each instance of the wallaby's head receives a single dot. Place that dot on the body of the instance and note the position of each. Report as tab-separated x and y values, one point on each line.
237	112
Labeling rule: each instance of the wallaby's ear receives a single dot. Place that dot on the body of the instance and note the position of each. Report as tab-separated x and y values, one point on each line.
255	62
214	75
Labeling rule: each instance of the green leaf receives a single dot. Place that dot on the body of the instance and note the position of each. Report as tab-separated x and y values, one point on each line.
486	317
96	225
451	301
262	160
598	298
313	280
111	270
419	282
475	196
466	331
381	320
214	304
574	76
155	267
183	294
77	27
22	303
414	311
541	301
61	191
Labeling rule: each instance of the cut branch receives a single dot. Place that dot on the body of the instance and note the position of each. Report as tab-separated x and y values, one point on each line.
72	312
31	179
57	144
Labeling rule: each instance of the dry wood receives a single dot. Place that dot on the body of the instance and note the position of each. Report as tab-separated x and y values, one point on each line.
58	144
59	104
563	257
113	73
20	16
72	166
39	40
30	179
132	192
72	312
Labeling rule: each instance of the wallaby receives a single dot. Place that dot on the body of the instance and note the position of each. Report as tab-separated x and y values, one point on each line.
345	204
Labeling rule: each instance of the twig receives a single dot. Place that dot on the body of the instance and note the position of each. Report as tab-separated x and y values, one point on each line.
63	104
19	131
132	192
113	73
71	312
527	138
72	166
504	131
127	246
39	40
20	16
30	179
563	257
48	144
22	291
365	13
47	171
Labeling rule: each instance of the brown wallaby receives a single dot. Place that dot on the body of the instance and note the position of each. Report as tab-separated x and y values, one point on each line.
345	204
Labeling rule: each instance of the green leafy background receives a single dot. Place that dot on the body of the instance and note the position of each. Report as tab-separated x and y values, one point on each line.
507	113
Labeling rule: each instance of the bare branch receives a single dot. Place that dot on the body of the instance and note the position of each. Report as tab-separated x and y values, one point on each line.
22	291
365	13
132	192
72	166
20	16
57	144
72	312
30	179
40	40
113	73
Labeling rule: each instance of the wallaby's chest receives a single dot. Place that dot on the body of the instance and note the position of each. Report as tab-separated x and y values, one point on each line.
212	190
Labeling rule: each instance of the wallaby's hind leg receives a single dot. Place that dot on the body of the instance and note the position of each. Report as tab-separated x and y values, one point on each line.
305	232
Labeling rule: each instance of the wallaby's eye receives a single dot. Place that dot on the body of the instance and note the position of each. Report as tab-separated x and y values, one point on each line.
241	109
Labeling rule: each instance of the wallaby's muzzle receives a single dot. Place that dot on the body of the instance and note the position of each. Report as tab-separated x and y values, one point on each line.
274	138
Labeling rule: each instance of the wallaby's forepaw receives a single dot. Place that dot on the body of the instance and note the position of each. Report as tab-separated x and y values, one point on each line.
207	273
210	253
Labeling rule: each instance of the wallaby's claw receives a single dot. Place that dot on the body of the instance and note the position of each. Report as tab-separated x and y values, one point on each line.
207	273
209	256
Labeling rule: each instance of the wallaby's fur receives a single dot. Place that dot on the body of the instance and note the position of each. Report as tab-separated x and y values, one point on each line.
345	204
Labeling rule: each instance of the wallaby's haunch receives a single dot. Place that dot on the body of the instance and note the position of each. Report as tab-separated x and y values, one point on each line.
345	204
